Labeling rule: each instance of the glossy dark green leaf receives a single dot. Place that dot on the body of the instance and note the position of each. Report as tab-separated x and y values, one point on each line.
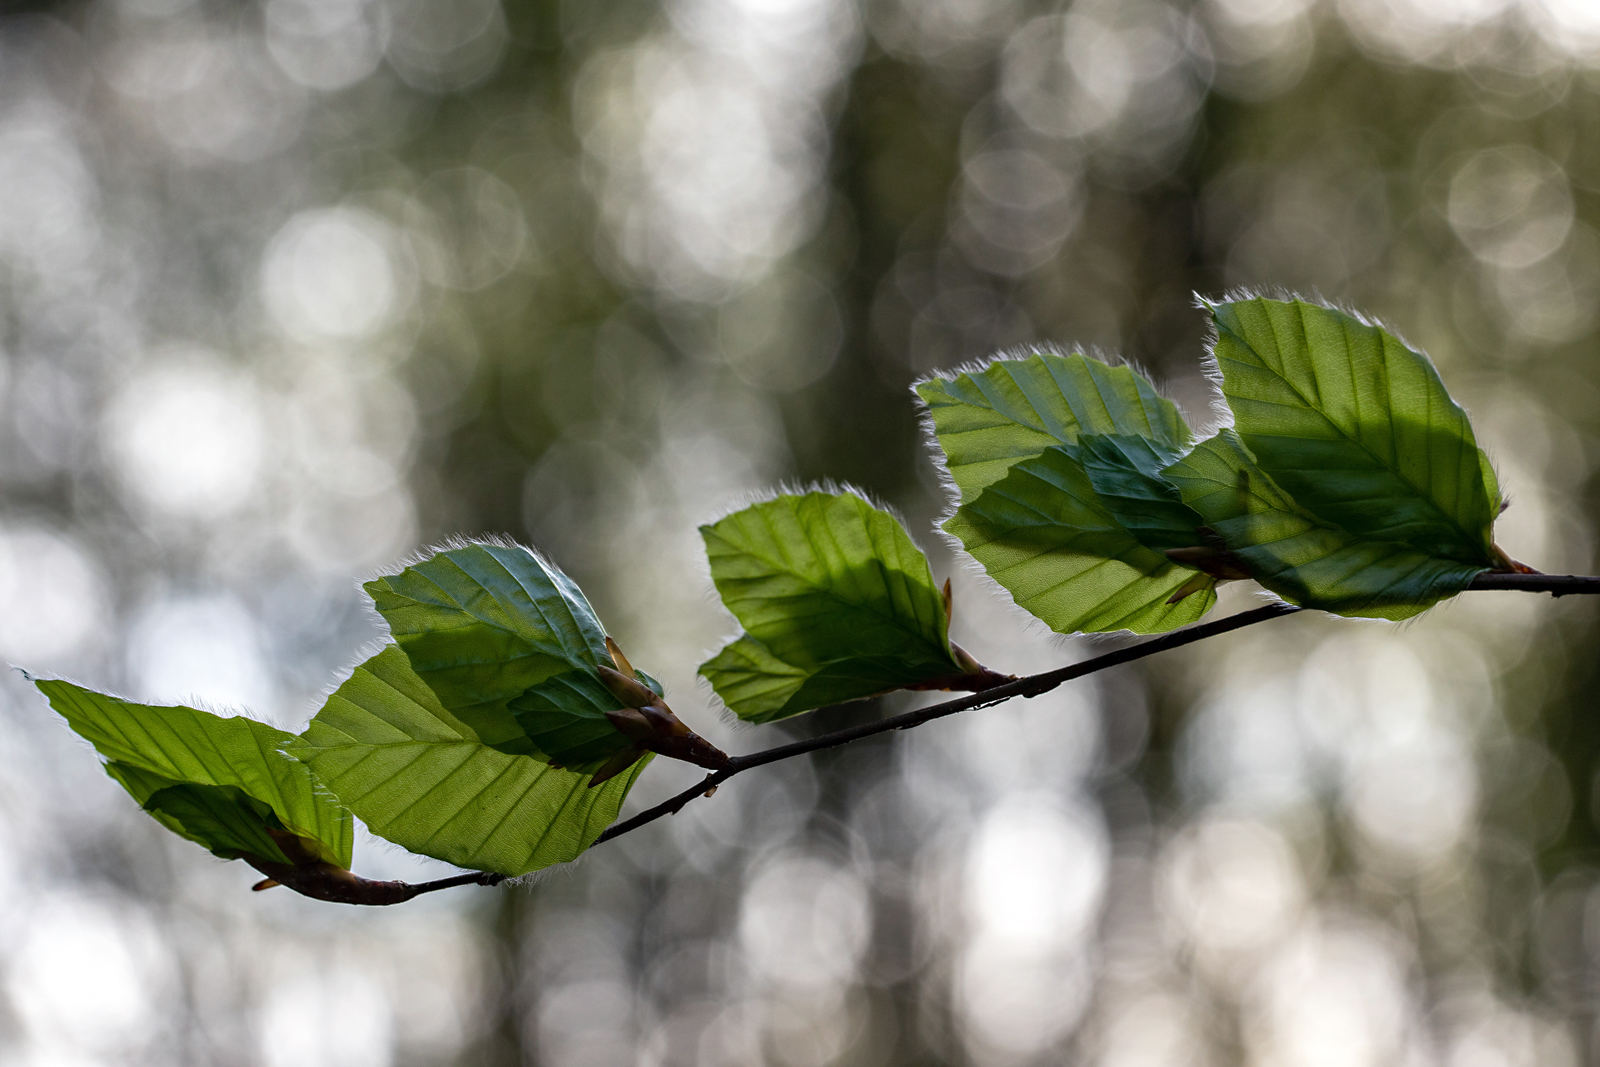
1046	535
1014	408
1301	557
565	718
836	600
220	782
1356	427
1125	473
421	777
484	623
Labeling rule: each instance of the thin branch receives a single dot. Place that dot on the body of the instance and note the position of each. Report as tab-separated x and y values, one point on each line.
1037	684
1031	686
1554	584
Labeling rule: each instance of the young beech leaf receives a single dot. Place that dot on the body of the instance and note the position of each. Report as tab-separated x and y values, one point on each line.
1356	427
1014	409
1125	473
482	624
511	648
223	783
1305	559
1048	533
421	777
837	603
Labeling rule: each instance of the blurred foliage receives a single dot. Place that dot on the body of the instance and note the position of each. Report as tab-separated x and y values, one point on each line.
291	289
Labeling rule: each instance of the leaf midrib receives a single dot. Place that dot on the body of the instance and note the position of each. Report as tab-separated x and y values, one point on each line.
1468	537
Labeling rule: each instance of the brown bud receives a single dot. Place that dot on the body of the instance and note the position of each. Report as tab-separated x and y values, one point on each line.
625	687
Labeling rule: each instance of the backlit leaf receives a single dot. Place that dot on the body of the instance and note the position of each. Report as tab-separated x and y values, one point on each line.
1299	556
220	782
421	777
509	644
1013	409
1046	535
1356	427
836	600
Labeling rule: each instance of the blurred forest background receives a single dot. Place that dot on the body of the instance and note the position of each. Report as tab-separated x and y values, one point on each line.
292	289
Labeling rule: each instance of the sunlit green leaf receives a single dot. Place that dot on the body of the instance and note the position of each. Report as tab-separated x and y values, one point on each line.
1299	556
1014	409
421	777
1046	535
220	782
836	600
1356	427
509	644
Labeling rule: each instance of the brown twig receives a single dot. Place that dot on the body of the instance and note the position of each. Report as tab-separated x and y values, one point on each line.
1030	686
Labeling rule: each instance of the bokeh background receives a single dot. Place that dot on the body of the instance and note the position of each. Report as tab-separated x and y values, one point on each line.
294	288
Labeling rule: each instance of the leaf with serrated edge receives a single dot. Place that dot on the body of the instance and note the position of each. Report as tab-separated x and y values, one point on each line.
826	585
1014	408
1355	426
755	684
509	644
1045	535
181	764
483	623
420	777
1302	558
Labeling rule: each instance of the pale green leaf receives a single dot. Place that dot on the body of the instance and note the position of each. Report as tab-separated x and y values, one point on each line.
755	684
836	600
221	782
1045	534
1013	409
1356	427
1301	557
421	777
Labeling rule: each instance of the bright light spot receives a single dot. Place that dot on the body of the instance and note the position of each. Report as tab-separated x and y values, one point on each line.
47	219
187	436
1511	205
1494	1035
1415	797
1153	1031
205	649
326	44
334	1018
1233	887
805	922
328	274
1331	998
51	596
87	978
1036	873
1016	1005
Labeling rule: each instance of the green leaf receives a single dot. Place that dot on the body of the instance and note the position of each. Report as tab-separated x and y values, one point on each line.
836	600
1125	473
484	625
1014	409
1356	427
1299	556
220	782
421	777
565	718
1046	535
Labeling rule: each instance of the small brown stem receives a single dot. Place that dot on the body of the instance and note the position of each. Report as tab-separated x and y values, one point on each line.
327	881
